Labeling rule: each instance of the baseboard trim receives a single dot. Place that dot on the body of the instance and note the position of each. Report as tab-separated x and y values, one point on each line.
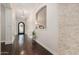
43	46
2	41
53	52
8	42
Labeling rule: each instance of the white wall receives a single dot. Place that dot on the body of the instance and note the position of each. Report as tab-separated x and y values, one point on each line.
0	28
30	25
48	37
13	25
8	25
2	23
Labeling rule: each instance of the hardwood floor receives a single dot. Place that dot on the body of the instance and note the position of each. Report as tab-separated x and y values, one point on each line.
6	49
27	48
39	50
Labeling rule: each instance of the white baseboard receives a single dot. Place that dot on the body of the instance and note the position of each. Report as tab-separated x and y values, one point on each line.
8	42
53	52
2	41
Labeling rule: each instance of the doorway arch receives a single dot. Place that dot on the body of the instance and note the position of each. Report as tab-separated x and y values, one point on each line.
21	28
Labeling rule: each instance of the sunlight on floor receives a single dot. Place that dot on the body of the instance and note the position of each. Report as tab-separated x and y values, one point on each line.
21	39
22	52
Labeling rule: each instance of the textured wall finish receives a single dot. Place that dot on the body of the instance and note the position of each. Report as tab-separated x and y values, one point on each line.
68	28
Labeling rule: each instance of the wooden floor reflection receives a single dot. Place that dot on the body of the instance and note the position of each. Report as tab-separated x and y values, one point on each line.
28	47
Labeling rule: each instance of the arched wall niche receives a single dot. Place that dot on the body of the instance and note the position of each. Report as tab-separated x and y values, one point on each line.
41	17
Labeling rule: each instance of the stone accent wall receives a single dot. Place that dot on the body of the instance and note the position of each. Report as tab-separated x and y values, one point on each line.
68	28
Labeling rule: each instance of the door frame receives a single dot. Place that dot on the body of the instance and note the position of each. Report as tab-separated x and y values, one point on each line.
23	28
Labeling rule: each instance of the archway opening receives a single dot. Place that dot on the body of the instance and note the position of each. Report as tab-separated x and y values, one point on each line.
21	33
21	28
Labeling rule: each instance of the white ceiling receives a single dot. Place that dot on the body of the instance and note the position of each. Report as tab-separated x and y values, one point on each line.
25	8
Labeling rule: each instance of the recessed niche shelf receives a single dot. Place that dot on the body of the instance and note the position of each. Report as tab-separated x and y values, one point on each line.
41	17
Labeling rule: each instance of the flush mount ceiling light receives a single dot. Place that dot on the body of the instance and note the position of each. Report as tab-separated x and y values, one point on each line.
22	14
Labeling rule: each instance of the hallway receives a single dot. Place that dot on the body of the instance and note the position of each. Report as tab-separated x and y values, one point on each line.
26	29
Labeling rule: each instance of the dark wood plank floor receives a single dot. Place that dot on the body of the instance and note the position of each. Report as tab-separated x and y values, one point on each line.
28	48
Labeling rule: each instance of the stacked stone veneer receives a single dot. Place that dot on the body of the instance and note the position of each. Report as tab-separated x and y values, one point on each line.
68	28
